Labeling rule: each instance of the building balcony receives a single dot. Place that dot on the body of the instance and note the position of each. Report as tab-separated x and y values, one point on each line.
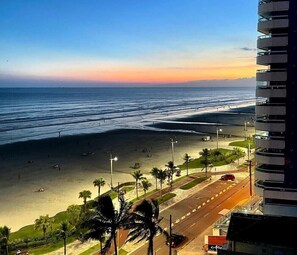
267	42
265	58
270	109
270	125
269	176
269	143
272	75
260	186
267	173
270	158
271	91
268	8
268	26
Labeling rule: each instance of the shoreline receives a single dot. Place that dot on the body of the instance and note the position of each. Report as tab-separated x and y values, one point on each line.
27	166
148	125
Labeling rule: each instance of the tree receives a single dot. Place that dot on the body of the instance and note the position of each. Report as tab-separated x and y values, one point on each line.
186	159
162	175
205	153
62	231
4	238
154	173
144	223
145	186
137	175
100	182
74	212
85	194
171	171
106	221
43	223
238	153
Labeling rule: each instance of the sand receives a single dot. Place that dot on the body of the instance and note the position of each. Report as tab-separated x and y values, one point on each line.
28	166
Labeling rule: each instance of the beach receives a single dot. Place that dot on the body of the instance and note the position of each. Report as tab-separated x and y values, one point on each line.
64	166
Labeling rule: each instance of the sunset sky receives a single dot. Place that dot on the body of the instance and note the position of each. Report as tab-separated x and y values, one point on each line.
159	41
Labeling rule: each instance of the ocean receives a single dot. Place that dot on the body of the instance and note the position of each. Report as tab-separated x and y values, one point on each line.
37	113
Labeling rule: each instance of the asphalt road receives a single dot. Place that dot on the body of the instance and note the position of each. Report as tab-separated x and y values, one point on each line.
196	213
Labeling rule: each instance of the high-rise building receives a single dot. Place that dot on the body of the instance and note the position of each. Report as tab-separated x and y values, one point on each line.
276	109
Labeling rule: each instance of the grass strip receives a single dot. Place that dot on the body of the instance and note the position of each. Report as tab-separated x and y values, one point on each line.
243	144
91	250
50	247
143	196
165	198
193	183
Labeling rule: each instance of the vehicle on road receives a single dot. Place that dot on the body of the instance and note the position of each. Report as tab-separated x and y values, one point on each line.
176	239
206	138
227	177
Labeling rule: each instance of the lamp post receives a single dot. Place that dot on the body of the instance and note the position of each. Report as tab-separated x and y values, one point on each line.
245	127
249	163
218	130
170	234
249	150
111	160
172	149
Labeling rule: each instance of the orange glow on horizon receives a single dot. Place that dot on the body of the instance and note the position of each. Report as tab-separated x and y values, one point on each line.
155	75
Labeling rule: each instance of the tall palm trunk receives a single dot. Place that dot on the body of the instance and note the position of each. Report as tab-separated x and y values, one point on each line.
64	246
187	167
7	249
85	205
98	191
150	250
115	243
136	188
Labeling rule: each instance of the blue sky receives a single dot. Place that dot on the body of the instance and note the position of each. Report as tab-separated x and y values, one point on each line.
128	40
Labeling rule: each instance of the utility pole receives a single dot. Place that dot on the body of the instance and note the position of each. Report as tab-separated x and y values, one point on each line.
249	163
170	234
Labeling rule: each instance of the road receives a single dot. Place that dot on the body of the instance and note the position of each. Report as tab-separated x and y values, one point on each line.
196	213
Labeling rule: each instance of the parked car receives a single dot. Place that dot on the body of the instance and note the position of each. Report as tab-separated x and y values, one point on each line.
227	177
206	138
176	239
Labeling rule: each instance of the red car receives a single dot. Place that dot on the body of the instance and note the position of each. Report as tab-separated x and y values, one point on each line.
227	177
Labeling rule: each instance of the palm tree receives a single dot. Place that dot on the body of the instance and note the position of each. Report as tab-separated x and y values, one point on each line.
154	173
162	175
43	223
171	168
4	237
145	186
85	194
238	153
137	175
145	223
205	153
64	227
106	220
100	182
186	159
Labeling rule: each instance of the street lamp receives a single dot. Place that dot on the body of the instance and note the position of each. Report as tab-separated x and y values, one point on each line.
245	127
172	149
218	130
249	163
111	160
